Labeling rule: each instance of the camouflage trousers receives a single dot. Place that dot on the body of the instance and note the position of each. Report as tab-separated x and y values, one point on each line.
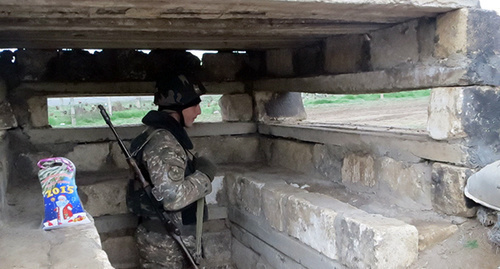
158	250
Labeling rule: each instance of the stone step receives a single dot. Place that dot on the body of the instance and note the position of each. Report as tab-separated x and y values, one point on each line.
275	208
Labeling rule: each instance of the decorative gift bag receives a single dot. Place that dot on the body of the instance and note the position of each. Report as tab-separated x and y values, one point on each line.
62	204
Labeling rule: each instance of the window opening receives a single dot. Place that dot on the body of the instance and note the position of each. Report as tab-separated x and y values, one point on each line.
407	109
74	112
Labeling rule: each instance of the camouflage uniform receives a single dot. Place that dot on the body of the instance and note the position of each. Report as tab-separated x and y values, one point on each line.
166	161
178	181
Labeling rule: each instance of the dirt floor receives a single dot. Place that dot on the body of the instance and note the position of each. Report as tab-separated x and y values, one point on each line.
400	113
469	246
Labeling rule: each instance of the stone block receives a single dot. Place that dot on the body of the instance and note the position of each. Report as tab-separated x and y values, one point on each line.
327	160
115	224
272	257
245	193
275	197
448	183
7	118
104	198
359	170
89	157
223	66
372	241
122	251
451	32
236	107
292	155
445	114
279	63
38	111
470	113
312	224
406	179
229	149
470	38
116	154
244	256
309	61
395	46
33	63
344	54
217	247
434	233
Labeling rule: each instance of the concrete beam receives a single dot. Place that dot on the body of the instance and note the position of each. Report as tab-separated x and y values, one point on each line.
193	24
401	146
100	134
61	89
391	80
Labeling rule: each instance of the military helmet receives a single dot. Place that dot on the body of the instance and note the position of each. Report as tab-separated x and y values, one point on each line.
483	187
177	92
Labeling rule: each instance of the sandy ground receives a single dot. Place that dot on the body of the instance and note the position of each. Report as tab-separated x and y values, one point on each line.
401	113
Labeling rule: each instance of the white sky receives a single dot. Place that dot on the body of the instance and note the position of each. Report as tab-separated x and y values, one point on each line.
491	5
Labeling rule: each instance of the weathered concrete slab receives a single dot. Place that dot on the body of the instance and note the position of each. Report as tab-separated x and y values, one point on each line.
53	248
104	198
328	226
434	233
445	114
393	80
236	107
7	117
97	134
395	46
195	25
358	169
372	241
398	145
112	88
122	251
224	66
229	149
469	37
471	113
290	251
279	63
448	183
345	54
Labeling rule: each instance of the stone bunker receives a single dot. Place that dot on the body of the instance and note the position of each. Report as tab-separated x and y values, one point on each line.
287	194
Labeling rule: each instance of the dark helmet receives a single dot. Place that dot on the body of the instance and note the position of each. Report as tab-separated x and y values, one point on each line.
177	92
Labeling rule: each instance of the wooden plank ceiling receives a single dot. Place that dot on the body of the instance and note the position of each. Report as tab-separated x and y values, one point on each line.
202	24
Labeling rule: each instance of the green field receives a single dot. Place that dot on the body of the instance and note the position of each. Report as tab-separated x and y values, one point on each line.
131	112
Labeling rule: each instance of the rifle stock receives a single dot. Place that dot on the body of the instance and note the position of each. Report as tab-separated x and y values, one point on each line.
172	229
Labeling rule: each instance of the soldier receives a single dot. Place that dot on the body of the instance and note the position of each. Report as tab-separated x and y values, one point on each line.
178	178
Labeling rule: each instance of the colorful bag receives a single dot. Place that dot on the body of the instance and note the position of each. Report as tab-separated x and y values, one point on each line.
62	204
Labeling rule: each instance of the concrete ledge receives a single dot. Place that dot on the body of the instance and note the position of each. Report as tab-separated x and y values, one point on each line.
70	247
327	232
97	134
401	145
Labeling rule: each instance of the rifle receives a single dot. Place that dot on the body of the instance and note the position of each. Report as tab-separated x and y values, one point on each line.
172	229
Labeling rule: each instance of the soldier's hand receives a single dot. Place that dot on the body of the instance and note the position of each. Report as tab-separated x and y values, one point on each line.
205	166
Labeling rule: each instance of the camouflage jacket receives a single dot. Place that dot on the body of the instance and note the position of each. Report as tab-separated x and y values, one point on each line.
166	161
169	167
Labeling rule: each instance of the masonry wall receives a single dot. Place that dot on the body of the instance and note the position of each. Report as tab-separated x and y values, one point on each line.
430	170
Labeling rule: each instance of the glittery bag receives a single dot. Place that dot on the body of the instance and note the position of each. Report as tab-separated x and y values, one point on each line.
62	204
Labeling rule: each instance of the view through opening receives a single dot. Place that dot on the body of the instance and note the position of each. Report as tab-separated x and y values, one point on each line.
71	112
407	109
